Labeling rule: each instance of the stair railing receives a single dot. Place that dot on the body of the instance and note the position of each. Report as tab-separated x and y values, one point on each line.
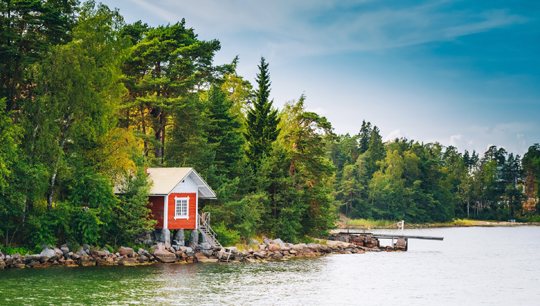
208	231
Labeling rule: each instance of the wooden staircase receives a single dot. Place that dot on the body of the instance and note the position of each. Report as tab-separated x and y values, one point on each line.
206	230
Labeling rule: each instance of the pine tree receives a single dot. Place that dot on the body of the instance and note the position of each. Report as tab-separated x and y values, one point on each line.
262	119
365	136
376	151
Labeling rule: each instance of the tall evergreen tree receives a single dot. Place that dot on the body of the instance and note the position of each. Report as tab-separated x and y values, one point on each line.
262	119
375	152
223	132
365	136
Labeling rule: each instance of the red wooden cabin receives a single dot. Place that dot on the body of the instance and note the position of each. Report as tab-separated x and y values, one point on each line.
175	197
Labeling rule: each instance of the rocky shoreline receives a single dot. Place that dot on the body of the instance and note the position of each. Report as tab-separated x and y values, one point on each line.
269	250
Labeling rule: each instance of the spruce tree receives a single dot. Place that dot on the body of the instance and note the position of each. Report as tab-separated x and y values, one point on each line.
376	151
222	132
262	119
365	136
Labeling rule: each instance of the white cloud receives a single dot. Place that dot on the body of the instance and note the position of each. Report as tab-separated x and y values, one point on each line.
455	140
393	135
511	136
300	28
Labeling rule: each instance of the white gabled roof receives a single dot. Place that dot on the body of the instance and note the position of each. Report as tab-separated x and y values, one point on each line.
165	179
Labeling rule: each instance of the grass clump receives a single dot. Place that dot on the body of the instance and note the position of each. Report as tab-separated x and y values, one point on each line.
370	222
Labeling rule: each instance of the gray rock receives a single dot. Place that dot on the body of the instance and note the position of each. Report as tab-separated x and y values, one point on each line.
58	252
156	235
147	241
86	248
143	258
207	253
277	255
206	246
233	250
260	254
82	253
64	250
266	241
180	237
194	238
70	254
48	252
277	241
255	242
2	256
166	237
184	248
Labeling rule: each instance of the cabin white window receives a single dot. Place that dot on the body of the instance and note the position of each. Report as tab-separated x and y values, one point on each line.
181	208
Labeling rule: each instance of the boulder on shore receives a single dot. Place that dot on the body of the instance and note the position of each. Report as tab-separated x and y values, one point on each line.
127	261
164	256
274	247
126	252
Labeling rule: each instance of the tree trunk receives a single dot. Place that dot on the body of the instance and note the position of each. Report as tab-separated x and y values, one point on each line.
57	164
143	123
158	115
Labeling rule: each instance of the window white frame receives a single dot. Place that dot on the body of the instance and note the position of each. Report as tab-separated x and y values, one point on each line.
181	208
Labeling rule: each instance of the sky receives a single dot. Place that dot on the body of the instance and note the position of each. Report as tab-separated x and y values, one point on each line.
463	73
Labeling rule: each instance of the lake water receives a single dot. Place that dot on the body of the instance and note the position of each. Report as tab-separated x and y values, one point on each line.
472	266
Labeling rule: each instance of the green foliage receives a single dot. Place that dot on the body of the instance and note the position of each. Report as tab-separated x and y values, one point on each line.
222	133
370	222
131	215
165	66
28	28
226	236
19	250
8	149
531	166
87	102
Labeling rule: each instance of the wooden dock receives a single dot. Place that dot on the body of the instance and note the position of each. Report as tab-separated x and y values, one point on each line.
402	241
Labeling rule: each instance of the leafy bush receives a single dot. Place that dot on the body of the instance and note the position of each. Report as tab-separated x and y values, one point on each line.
226	237
21	250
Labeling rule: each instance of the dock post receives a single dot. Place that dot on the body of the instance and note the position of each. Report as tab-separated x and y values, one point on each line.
406	244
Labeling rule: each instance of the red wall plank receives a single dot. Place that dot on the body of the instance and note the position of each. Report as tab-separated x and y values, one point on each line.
157	209
182	223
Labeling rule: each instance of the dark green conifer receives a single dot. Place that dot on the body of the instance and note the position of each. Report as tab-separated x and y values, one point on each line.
223	132
262	119
365	136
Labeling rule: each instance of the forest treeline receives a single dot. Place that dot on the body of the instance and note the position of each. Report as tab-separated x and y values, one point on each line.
88	101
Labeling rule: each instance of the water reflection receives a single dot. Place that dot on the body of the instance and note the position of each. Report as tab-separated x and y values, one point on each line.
495	266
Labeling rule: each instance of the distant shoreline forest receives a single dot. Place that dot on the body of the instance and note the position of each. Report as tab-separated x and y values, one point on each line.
88	101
